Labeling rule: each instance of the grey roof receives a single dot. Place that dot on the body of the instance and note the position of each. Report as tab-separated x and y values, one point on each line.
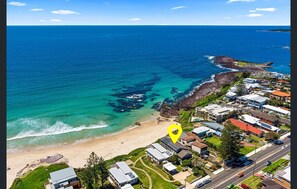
159	147
124	167
118	175
184	153
62	175
214	125
174	147
122	173
155	153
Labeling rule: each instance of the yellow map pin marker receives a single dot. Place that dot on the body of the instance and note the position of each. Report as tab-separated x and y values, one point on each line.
174	137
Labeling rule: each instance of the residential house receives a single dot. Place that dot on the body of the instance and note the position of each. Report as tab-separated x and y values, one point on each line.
215	126
184	154
266	117
250	80
284	176
277	110
121	174
279	95
181	151
246	127
158	153
64	178
199	147
230	96
170	168
271	184
252	100
257	122
203	131
214	112
188	138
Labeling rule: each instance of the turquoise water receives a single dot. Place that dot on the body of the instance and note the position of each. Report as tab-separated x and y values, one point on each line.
67	83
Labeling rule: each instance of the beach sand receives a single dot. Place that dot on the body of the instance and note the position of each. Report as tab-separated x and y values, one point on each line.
106	146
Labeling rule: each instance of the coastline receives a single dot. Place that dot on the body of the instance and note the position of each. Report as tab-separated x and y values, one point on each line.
119	143
107	146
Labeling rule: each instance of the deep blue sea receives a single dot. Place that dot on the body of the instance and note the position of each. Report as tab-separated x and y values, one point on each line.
68	83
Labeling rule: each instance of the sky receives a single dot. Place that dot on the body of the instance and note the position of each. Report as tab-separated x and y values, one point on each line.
148	12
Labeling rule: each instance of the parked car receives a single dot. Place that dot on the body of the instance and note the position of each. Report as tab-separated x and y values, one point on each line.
230	186
246	163
240	174
278	142
199	184
207	180
268	163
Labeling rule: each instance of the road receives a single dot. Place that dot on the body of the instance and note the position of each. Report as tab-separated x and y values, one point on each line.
228	176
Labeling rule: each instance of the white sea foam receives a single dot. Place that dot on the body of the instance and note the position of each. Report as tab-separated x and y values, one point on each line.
56	129
286	47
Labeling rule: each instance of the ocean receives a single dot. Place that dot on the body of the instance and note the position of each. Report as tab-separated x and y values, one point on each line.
70	83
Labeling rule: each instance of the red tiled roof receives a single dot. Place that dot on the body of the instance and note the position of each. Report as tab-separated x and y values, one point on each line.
244	126
280	93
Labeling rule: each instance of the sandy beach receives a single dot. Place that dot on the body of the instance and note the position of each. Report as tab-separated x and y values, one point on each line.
107	146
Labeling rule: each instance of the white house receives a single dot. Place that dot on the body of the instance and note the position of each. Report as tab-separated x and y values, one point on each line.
64	178
276	110
252	100
158	153
199	147
121	174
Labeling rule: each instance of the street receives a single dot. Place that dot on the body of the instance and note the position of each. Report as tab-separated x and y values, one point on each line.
228	176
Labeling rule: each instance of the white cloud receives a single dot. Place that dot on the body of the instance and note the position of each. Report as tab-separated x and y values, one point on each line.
55	20
135	19
233	1
252	11
178	7
18	4
266	9
64	12
36	10
254	15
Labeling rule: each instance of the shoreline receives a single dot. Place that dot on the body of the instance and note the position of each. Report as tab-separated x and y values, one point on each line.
106	146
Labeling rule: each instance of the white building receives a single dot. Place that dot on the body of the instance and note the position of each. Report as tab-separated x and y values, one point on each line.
250	80
257	122
203	131
214	112
122	175
276	110
170	168
252	100
64	178
158	153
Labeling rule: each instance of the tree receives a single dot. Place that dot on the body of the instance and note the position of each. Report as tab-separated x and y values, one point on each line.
241	90
230	146
102	169
94	172
174	159
271	136
187	163
246	74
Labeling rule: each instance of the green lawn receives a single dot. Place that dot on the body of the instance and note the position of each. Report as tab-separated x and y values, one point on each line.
252	182
37	177
275	166
184	118
191	178
247	149
285	128
179	168
214	140
158	182
159	170
142	177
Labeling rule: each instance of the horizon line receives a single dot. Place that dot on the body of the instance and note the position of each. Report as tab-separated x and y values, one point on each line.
139	25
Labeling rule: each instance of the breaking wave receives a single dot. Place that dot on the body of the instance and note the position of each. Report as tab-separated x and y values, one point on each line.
41	128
